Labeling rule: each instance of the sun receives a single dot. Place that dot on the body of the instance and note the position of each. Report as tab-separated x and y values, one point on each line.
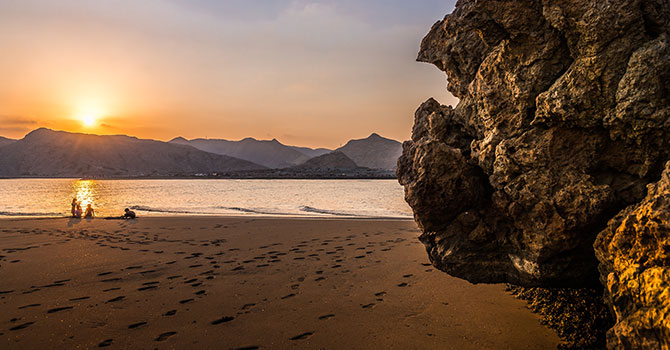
88	119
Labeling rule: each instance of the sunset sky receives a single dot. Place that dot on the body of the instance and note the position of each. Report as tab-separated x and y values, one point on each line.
311	73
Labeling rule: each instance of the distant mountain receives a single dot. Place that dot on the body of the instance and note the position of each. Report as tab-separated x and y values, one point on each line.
5	141
45	152
333	160
374	152
272	154
312	152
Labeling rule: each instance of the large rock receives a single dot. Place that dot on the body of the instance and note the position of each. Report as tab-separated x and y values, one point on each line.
563	119
634	251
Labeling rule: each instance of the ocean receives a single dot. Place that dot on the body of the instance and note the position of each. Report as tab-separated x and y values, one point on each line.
225	197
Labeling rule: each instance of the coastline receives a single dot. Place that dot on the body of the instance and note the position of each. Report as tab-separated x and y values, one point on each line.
233	282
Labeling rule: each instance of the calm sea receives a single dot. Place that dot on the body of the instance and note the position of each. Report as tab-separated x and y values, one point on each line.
314	198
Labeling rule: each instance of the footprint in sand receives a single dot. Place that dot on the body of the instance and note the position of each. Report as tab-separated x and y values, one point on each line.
402	284
136	325
106	343
368	306
248	306
111	280
380	294
170	313
319	279
21	326
200	292
288	296
186	301
325	317
164	336
59	309
223	319
113	300
407	276
80	298
27	306
302	336
253	347
147	288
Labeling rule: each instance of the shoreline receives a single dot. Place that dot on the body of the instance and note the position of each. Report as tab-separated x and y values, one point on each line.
233	282
208	216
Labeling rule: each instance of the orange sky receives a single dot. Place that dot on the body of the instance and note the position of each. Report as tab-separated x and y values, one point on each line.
312	73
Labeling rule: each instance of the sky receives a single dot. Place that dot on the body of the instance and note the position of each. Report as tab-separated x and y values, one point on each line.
307	72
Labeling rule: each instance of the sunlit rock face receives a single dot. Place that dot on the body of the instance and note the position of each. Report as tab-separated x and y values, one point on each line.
563	119
634	251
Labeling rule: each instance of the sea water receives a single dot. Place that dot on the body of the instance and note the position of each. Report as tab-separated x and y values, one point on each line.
308	198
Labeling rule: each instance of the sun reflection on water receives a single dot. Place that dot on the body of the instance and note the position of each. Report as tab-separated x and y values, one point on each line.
85	192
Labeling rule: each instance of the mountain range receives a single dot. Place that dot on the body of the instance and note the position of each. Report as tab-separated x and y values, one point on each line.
48	153
373	152
271	154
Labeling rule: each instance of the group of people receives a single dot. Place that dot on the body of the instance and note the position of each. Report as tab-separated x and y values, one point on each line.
76	210
90	213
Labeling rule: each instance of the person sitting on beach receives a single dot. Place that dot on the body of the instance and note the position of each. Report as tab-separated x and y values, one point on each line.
129	214
74	206
89	212
77	211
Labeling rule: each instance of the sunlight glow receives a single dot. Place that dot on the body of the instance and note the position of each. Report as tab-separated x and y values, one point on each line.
84	191
88	120
89	112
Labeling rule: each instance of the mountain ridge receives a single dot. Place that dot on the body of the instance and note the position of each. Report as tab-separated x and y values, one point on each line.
78	154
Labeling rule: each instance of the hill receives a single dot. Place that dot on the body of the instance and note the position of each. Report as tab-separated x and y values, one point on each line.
49	153
333	160
269	153
373	152
5	141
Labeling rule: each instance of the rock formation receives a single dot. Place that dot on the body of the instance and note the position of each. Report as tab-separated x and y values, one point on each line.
562	121
634	251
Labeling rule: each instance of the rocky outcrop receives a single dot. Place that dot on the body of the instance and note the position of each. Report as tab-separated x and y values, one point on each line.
634	251
562	121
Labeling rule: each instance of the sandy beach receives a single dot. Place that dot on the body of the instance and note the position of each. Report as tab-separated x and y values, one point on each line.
252	283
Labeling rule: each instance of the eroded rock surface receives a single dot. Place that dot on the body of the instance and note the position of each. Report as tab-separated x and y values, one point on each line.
563	119
634	251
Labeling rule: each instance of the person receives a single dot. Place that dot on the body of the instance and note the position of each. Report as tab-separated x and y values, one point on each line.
77	211
89	211
74	206
129	214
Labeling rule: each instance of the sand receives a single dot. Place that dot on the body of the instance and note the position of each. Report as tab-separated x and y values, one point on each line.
267	283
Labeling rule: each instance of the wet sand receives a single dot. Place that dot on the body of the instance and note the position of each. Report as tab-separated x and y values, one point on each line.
266	283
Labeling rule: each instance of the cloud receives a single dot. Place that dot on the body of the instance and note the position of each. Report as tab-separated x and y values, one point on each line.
13	120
